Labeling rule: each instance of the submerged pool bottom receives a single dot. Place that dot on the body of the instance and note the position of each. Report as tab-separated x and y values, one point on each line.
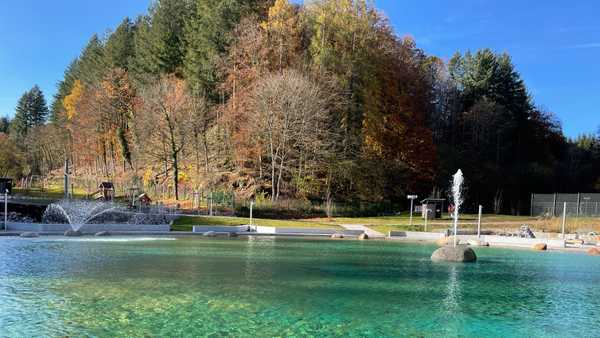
263	287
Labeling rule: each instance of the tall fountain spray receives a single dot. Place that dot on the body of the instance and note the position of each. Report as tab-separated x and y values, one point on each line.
455	253
457	182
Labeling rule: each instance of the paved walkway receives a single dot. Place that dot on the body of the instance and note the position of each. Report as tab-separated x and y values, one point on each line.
370	232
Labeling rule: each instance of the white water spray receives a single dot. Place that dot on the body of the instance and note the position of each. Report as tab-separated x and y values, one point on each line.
457	182
78	213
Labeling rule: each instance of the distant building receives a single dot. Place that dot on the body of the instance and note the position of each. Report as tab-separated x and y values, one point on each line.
6	184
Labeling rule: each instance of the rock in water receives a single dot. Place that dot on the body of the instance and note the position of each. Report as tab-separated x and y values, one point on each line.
363	236
102	234
29	235
73	233
540	247
477	242
459	253
594	252
446	241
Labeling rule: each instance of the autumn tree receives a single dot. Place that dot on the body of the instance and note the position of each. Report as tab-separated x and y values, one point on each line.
283	35
12	162
119	97
65	87
163	125
290	116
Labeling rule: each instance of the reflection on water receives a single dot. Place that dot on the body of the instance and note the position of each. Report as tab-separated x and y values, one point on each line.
261	286
452	301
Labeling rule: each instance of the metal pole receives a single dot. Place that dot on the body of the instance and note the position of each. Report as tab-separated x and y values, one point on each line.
554	207
411	211
66	178
479	222
6	210
578	203
251	207
564	220
426	215
211	204
532	200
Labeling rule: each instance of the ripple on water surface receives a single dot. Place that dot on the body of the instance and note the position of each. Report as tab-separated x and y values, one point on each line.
286	287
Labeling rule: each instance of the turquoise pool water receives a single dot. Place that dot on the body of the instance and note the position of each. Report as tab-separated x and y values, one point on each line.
266	287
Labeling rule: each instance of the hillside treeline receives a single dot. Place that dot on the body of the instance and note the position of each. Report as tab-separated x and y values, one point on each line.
321	102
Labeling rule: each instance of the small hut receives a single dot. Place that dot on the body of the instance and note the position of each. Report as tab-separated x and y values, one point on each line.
107	191
144	200
435	207
6	184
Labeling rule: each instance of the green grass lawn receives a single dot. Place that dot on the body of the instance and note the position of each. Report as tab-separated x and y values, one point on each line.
383	224
187	222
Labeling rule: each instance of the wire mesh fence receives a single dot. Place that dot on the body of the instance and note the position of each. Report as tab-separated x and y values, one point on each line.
575	205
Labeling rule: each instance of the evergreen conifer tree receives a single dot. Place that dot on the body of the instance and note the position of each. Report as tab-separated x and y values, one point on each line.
120	46
4	124
31	111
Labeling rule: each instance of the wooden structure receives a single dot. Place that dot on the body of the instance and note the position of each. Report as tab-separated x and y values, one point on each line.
6	184
107	191
144	200
435	207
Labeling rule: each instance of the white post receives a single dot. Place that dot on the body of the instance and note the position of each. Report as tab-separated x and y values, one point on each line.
411	211
251	206
564	219
426	215
479	222
6	210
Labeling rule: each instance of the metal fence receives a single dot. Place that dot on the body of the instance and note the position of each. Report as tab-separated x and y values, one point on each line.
578	205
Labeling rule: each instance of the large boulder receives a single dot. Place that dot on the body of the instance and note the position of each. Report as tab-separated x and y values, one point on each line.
444	241
450	253
73	233
29	235
594	252
477	242
210	234
363	236
540	247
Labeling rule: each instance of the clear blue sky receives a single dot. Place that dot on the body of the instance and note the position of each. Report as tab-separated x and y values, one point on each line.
555	44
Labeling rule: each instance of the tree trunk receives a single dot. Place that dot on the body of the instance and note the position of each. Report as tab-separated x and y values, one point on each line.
176	175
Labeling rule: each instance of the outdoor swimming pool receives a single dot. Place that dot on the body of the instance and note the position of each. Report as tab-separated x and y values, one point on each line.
283	287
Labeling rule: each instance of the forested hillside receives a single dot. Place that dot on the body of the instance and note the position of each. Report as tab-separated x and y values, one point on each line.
320	102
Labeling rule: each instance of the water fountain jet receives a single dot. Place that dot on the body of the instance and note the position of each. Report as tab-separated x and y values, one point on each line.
78	213
455	253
